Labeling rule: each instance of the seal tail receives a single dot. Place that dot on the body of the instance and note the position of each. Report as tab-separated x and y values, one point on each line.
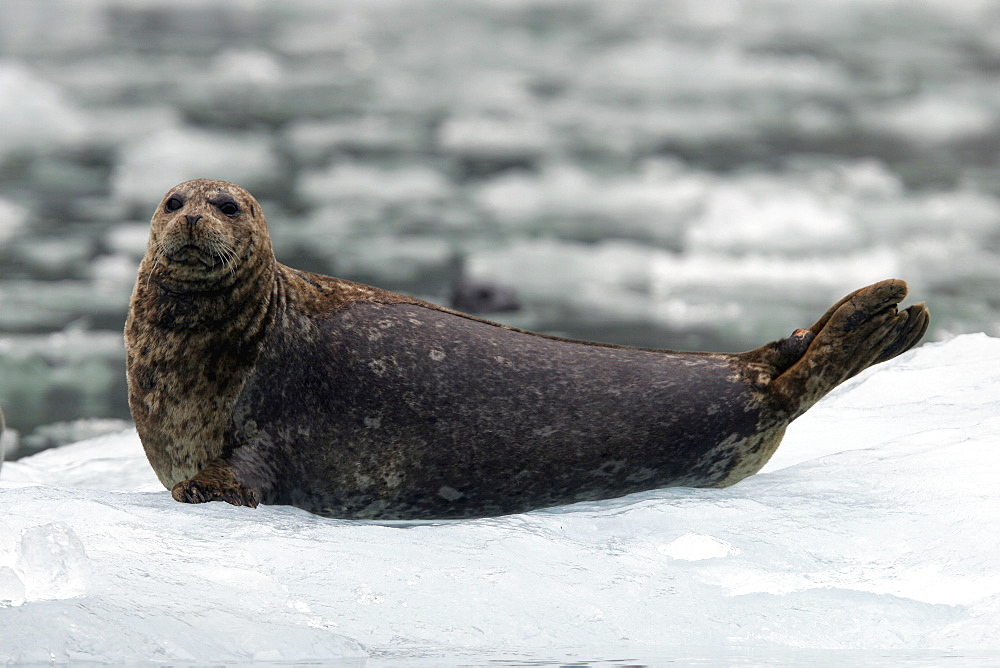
862	329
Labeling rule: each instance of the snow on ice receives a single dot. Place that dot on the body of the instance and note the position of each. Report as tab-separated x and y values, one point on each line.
871	536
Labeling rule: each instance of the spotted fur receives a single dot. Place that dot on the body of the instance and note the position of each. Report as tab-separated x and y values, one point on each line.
251	382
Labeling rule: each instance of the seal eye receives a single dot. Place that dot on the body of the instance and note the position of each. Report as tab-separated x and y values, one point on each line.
172	205
229	208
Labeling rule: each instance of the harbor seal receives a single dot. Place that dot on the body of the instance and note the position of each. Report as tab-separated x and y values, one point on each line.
252	382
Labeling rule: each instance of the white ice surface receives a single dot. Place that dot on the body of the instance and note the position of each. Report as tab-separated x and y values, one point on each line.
871	534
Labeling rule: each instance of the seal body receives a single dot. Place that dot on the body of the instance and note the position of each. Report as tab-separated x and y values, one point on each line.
252	382
445	416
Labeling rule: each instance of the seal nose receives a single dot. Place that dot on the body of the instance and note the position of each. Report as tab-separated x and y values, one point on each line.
192	219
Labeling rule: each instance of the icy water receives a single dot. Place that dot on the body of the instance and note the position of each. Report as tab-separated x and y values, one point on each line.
698	174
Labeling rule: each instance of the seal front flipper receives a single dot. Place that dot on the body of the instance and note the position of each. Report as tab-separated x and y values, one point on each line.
862	329
216	482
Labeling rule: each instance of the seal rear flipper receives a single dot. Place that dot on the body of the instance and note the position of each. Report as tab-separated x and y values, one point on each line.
216	482
862	329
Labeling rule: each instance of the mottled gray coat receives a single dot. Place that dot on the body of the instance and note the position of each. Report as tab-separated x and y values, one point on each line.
252	382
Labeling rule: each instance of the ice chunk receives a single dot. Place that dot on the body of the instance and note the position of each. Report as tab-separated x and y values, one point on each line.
740	219
12	220
116	126
934	117
315	141
54	563
150	165
11	587
656	202
114	272
396	260
344	181
724	68
128	239
495	138
34	115
245	68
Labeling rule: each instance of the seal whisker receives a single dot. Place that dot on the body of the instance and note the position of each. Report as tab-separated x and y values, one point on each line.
160	252
230	259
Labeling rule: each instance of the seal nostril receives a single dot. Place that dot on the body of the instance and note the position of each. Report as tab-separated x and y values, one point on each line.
192	219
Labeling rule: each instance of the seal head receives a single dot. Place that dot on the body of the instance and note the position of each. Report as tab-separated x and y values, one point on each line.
208	247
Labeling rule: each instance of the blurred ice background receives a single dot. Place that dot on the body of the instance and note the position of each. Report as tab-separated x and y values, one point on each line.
699	174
